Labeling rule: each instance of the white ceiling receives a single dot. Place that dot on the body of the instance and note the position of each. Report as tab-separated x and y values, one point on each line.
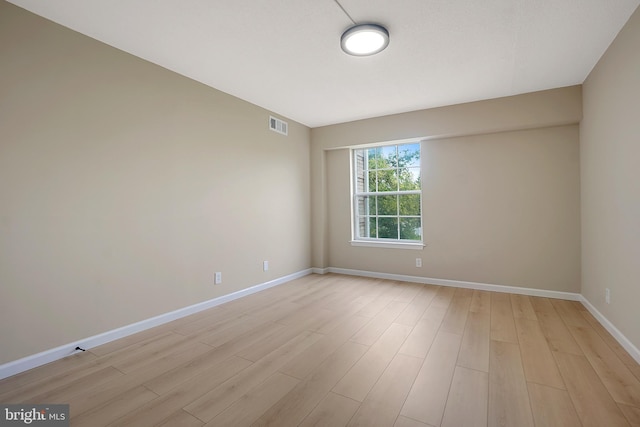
284	55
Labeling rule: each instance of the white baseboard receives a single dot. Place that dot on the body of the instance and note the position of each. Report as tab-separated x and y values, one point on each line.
35	360
615	332
460	284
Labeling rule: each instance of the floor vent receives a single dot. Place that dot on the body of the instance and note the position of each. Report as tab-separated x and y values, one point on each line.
278	125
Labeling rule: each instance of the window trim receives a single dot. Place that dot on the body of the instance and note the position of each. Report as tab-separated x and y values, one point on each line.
391	244
383	242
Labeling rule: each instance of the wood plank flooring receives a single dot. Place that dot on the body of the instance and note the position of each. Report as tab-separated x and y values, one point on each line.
336	350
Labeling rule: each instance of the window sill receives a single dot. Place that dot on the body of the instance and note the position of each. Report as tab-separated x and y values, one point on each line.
388	245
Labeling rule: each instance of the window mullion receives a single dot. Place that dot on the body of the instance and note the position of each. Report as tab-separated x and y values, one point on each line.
388	193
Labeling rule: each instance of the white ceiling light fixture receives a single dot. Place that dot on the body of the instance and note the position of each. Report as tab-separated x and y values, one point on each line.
363	39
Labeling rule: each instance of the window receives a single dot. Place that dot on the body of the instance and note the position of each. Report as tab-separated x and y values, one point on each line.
387	194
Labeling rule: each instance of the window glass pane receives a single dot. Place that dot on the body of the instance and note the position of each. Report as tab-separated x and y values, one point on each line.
361	205
366	158
373	158
372	181
359	156
409	204
409	178
361	184
361	174
372	205
410	229
389	156
373	233
409	155
388	228
388	180
415	176
362	226
388	205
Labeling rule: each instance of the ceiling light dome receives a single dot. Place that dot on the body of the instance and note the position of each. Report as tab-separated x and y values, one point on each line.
364	39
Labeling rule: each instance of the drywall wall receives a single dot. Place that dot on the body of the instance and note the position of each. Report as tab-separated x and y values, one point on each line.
124	187
499	208
531	137
528	111
610	176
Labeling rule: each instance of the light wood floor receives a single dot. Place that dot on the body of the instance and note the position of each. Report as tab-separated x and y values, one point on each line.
335	350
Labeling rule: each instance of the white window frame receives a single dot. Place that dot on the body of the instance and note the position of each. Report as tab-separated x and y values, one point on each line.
398	243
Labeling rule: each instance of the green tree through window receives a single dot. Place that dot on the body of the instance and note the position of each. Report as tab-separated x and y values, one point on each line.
388	193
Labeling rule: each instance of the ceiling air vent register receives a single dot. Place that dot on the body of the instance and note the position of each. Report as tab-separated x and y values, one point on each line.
278	125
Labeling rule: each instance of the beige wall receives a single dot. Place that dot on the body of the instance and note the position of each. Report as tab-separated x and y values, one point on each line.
529	111
610	174
510	215
124	187
498	208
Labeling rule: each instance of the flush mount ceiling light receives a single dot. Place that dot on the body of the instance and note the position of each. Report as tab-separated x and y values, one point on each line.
364	39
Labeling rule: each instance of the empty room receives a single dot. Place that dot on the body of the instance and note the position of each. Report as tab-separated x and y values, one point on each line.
306	213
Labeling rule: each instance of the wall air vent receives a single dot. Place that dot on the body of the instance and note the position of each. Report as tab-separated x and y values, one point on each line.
278	125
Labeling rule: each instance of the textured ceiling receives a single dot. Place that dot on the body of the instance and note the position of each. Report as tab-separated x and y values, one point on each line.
284	55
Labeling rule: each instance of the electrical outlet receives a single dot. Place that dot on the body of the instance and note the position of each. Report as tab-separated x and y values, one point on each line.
418	262
217	278
607	295
265	265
